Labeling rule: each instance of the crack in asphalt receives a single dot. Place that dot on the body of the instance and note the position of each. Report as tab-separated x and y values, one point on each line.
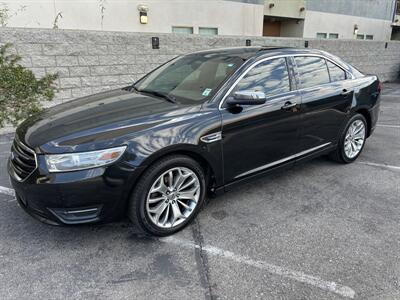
201	260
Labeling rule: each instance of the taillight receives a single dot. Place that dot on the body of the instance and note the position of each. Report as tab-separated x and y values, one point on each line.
380	86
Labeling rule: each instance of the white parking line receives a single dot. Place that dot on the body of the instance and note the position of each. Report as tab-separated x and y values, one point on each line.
328	286
379	165
7	191
387	125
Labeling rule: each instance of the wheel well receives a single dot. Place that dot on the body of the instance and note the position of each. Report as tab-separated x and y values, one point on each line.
208	170
367	117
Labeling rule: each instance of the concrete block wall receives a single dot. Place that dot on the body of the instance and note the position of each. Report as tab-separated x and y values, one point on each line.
92	61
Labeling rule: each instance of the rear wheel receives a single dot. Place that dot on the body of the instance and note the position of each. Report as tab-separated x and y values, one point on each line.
168	195
352	141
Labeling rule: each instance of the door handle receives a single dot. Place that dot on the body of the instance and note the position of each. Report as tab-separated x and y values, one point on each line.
345	92
289	105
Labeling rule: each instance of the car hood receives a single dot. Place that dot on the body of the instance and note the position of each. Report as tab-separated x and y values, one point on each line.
97	121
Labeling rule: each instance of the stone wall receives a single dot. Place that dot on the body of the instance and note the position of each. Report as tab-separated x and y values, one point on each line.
92	61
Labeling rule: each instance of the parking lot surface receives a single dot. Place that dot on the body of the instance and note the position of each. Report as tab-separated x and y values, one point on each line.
318	231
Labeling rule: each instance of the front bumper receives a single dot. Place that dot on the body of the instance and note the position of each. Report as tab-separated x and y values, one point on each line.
87	196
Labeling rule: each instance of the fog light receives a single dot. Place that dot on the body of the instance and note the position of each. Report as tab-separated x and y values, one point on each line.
77	215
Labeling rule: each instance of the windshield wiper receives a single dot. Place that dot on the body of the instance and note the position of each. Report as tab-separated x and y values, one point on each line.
158	94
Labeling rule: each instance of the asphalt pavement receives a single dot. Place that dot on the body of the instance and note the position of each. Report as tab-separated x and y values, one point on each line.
321	230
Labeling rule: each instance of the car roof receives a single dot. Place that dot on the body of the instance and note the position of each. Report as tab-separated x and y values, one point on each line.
255	51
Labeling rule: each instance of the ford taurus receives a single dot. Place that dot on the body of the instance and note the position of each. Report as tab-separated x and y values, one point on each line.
201	123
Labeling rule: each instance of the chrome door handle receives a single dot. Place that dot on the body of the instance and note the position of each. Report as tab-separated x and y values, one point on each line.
345	92
289	105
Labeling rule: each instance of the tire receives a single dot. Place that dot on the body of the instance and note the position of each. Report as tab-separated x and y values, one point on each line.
341	154
145	205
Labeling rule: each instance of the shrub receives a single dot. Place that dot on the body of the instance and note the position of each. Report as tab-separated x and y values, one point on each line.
21	93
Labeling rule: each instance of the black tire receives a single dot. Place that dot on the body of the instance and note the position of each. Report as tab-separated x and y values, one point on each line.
339	154
137	204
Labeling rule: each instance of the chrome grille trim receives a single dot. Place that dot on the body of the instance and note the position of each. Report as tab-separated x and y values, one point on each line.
23	160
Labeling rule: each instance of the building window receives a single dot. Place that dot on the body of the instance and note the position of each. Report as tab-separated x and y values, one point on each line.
334	35
182	29
369	37
208	31
360	36
321	35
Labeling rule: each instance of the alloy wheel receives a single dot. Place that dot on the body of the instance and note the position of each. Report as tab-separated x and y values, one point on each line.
173	197
354	139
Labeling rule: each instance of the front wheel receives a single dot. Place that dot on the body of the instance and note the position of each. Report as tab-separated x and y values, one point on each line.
168	195
352	141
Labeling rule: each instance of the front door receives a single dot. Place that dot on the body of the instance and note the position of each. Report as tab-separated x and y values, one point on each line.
259	137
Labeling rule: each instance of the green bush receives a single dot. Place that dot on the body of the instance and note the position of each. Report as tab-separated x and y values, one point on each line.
21	92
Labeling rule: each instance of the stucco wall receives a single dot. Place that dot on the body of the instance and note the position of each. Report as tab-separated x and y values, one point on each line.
328	22
230	17
285	8
375	9
93	61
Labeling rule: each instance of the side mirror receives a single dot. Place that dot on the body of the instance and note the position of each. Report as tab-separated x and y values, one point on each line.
246	98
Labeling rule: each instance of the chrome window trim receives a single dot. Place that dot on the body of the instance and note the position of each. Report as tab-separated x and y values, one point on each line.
274	57
282	160
327	68
345	73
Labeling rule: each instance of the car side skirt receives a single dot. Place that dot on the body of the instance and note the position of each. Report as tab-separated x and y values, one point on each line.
275	168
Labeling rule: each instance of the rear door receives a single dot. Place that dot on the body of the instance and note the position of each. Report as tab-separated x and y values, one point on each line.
326	99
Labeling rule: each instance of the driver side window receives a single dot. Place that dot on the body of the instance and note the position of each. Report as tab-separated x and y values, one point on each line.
270	77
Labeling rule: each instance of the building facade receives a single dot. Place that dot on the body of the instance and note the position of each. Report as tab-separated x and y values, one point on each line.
330	19
396	23
344	19
223	17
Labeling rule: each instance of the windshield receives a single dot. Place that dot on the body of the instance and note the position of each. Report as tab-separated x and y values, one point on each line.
191	78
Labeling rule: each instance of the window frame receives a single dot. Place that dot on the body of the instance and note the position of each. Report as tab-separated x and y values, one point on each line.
189	27
291	65
204	27
326	64
359	35
333	34
329	72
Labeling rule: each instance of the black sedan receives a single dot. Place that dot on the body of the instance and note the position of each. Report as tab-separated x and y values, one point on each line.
200	123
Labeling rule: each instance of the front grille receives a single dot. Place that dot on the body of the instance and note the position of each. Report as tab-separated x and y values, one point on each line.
23	160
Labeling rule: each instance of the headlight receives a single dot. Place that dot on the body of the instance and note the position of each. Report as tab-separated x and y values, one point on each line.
82	160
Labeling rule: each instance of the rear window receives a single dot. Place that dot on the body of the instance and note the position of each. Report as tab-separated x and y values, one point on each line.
335	72
313	71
